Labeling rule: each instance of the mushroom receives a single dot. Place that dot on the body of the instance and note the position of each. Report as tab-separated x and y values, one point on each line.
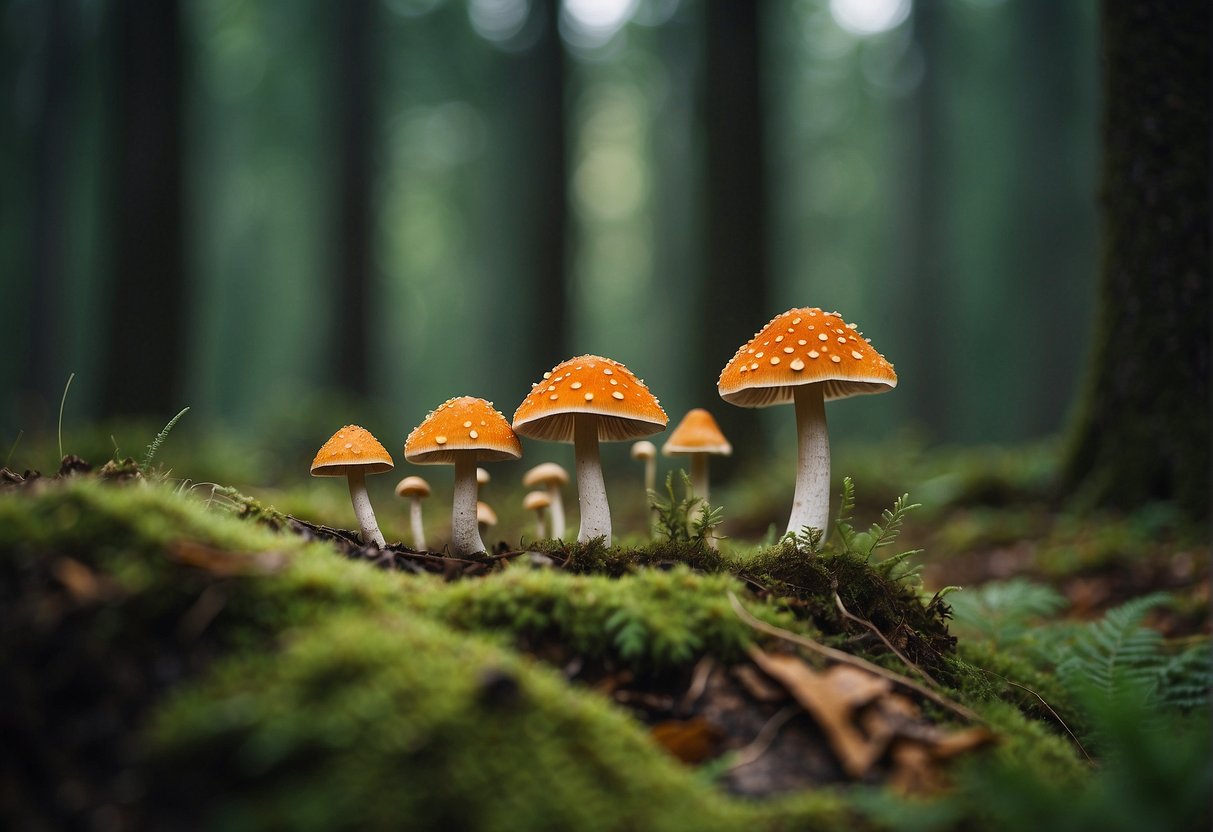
698	436
585	400
806	356
485	516
482	478
537	501
460	432
646	452
353	452
550	477
415	489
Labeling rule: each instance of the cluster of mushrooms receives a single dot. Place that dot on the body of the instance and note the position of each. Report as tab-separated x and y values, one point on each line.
803	356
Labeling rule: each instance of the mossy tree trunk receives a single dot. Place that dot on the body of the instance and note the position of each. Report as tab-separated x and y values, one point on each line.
1142	432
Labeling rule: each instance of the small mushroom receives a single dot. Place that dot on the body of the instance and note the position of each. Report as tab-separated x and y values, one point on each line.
415	489
353	452
485	516
460	432
537	501
698	436
550	477
806	356
646	452
587	400
482	478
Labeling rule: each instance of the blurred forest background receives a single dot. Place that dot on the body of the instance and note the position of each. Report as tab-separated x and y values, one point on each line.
293	214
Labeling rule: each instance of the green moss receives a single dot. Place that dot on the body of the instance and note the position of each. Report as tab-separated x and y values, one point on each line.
373	724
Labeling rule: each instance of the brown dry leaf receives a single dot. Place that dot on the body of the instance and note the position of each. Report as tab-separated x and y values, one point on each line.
831	702
914	771
222	563
82	583
691	740
757	685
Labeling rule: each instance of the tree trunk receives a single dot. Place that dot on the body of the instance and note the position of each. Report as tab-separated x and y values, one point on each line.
354	103
734	296
1143	429
146	322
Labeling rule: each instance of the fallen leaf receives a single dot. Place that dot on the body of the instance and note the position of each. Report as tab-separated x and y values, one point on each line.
830	704
690	740
222	563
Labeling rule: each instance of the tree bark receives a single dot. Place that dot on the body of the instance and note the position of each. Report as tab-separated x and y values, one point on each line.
354	117
146	321
1142	433
734	297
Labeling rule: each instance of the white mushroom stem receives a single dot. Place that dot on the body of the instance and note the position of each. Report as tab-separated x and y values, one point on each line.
811	504
650	474
363	510
591	490
415	518
699	476
465	533
539	529
699	487
557	509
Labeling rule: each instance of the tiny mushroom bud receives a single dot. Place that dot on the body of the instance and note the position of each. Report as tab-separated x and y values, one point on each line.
415	489
646	452
595	399
485	516
482	477
550	477
444	439
809	379
537	501
353	452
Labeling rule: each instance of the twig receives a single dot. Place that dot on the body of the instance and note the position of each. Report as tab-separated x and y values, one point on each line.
1048	707
847	614
847	658
699	683
761	743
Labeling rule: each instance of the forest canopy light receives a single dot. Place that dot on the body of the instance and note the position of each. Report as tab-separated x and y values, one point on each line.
353	452
461	432
806	356
587	400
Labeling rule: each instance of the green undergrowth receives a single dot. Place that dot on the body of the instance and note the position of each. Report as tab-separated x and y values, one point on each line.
272	683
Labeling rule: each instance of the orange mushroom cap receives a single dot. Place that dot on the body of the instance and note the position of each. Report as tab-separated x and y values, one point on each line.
589	384
804	346
462	424
350	448
697	433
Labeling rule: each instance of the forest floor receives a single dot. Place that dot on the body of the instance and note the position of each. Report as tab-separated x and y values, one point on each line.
190	656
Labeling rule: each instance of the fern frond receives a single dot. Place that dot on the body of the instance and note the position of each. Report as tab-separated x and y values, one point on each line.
1117	655
150	454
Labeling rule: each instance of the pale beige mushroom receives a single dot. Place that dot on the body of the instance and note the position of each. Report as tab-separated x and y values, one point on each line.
537	501
415	489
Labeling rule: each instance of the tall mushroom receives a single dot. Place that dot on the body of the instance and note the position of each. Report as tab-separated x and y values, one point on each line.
537	501
459	432
353	452
806	356
587	400
415	489
550	477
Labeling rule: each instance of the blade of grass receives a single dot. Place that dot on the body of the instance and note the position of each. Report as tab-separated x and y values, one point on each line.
63	401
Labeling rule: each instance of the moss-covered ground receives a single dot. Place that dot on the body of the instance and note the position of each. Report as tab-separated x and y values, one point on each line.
180	657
